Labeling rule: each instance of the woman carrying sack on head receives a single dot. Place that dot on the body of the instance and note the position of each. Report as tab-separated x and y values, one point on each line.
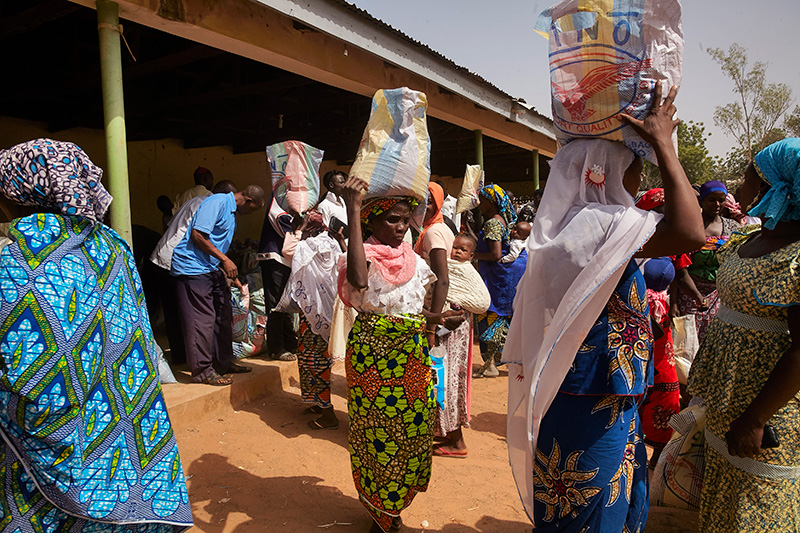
390	397
581	342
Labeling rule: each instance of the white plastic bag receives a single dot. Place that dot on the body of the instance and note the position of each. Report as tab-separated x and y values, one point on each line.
685	343
473	182
606	57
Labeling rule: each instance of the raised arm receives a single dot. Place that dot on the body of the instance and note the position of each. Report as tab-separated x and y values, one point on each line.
681	229
356	258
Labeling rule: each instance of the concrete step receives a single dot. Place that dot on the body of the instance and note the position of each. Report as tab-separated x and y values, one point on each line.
189	403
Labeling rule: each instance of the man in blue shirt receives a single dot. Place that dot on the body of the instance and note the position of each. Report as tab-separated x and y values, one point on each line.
200	267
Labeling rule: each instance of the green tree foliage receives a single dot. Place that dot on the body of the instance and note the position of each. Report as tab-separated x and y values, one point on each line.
792	123
692	153
760	106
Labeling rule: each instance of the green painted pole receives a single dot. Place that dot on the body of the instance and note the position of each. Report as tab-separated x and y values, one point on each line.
114	115
479	148
535	169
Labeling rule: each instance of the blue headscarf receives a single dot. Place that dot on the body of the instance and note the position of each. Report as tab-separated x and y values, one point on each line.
498	196
779	165
712	186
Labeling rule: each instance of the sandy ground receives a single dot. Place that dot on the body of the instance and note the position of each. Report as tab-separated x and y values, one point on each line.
261	469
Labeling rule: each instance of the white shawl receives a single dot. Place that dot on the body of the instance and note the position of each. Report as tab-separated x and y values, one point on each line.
585	232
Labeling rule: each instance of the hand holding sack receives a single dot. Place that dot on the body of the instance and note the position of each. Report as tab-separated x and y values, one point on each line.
294	167
606	56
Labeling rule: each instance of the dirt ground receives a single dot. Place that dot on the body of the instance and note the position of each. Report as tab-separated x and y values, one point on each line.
261	469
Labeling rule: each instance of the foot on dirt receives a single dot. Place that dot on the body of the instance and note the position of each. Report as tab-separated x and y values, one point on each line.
313	410
441	450
285	356
319	423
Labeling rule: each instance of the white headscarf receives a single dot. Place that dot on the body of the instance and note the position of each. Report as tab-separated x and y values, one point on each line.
585	233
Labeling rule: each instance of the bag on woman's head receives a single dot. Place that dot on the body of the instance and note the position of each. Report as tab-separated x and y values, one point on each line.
394	154
294	167
605	58
473	182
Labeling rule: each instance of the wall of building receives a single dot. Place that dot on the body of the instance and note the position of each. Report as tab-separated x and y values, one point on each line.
165	167
161	167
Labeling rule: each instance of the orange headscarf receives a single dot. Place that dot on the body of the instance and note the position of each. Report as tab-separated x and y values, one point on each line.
437	194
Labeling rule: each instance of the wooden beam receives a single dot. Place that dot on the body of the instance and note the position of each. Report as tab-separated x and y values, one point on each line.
32	18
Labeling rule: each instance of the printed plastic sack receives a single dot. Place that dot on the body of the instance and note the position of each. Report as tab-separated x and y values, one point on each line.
685	344
294	167
394	154
606	57
473	182
678	477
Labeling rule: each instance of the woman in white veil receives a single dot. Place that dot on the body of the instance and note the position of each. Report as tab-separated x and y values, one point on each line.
580	341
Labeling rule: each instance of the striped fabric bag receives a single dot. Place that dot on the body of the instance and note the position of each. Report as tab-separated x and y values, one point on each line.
294	168
606	57
394	154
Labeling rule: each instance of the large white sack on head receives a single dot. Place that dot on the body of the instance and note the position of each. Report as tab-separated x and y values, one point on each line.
294	167
394	154
606	57
473	182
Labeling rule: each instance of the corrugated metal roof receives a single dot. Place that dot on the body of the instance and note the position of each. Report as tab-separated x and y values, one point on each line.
365	14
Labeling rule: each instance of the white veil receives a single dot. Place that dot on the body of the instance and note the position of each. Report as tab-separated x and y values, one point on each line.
585	232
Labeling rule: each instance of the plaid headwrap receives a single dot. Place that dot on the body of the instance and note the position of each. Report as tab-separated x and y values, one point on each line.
374	207
54	175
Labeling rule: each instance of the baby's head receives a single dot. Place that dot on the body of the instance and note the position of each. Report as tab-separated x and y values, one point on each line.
463	247
521	230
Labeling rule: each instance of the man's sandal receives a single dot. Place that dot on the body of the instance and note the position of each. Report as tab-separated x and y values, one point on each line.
217	380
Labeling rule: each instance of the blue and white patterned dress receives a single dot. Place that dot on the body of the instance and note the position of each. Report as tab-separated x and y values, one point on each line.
590	470
87	444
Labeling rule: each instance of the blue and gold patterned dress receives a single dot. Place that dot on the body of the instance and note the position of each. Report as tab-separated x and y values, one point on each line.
731	368
87	444
590	471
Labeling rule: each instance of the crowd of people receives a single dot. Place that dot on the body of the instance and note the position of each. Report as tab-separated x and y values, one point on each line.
574	295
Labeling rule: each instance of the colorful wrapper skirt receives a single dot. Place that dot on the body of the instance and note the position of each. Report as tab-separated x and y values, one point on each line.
492	332
314	366
458	380
590	472
688	306
664	397
391	411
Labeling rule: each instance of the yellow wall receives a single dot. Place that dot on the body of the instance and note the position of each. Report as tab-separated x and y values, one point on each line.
161	167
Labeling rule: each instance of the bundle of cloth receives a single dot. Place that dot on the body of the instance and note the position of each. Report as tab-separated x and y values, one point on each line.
467	290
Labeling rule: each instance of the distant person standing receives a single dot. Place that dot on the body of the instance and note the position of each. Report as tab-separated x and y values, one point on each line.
203	180
332	206
275	272
203	296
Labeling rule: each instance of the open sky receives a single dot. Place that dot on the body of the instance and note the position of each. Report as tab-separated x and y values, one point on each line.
495	39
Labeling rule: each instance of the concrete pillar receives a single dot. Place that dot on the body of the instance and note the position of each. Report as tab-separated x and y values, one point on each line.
535	169
114	116
479	148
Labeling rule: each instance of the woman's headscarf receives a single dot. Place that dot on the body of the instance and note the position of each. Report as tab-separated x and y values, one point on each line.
374	207
437	194
734	209
712	186
779	165
54	175
651	199
500	199
585	233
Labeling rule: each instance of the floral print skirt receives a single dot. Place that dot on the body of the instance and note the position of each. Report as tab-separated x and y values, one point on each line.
314	366
590	474
391	410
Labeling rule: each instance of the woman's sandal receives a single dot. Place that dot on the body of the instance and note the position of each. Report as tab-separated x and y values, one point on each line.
314	424
313	410
217	380
397	524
